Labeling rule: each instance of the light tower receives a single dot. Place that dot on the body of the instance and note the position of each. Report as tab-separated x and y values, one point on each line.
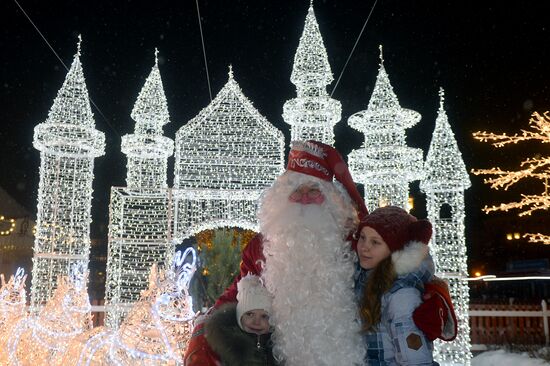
313	113
445	182
385	164
68	143
140	214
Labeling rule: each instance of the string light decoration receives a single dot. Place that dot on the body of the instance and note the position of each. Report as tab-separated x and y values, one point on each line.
225	157
537	168
68	143
6	226
157	329
141	213
66	315
444	184
385	164
13	301
147	149
313	113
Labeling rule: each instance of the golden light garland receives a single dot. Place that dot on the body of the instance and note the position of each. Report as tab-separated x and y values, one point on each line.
530	168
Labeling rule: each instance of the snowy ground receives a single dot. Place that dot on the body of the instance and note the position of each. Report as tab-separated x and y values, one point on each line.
503	358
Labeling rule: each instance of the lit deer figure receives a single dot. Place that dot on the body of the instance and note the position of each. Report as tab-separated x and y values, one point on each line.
43	339
13	301
156	330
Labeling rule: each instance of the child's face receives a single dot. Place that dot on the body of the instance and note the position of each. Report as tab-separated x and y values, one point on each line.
371	248
255	321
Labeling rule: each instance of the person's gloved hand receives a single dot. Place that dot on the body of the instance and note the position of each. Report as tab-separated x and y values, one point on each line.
436	316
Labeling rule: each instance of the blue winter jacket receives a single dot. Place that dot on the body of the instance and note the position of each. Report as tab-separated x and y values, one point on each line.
398	341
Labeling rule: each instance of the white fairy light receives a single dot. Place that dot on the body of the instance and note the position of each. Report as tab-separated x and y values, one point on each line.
225	157
313	113
147	149
13	301
68	144
385	164
445	182
157	329
65	316
140	214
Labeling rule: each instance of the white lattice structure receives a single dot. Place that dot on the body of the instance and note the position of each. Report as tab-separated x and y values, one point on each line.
141	213
313	113
385	164
68	143
225	157
444	185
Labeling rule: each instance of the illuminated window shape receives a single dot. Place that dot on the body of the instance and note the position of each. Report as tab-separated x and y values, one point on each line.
385	164
444	184
225	157
313	113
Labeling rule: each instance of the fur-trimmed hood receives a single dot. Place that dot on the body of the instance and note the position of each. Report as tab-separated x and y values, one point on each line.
409	258
234	346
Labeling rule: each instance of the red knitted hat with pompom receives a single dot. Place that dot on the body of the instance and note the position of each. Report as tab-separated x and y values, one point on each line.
397	227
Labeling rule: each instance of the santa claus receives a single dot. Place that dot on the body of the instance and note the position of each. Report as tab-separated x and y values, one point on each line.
304	257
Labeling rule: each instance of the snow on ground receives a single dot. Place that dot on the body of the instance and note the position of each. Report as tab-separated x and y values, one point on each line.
503	358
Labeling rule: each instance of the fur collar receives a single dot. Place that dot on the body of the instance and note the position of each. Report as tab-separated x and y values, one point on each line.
409	258
233	345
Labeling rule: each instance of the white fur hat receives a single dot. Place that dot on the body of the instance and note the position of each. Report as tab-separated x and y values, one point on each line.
251	295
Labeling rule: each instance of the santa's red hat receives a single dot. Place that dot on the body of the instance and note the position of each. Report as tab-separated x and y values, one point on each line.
324	162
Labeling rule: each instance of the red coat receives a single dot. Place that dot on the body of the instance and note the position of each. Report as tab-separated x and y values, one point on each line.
439	307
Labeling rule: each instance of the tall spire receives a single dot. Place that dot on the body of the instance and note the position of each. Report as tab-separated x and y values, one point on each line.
312	114
384	101
147	149
444	185
311	65
445	168
385	164
68	143
151	109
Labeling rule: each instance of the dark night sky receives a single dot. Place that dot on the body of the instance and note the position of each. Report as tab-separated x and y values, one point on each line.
491	58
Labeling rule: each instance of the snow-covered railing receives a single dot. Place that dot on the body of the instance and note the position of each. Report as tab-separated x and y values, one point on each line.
495	324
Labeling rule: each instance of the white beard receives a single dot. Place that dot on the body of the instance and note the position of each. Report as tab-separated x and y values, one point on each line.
309	270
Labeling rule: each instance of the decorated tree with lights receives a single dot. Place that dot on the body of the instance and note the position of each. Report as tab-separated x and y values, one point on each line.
444	184
313	113
140	214
225	157
536	168
220	254
68	143
385	164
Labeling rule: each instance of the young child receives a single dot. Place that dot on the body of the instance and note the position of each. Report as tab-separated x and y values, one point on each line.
394	266
239	333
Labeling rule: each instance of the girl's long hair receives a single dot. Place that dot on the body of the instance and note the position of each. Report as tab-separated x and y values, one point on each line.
378	282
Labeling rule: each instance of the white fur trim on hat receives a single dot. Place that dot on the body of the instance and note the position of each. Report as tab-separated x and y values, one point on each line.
251	295
409	258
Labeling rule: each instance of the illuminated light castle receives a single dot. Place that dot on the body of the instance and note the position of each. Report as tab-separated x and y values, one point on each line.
445	182
68	143
140	214
225	157
385	164
313	113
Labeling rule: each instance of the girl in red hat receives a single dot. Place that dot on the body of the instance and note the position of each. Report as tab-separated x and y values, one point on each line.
394	266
